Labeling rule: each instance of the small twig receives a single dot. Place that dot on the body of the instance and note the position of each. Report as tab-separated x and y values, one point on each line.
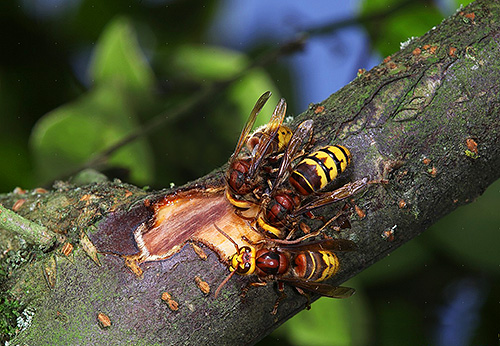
29	230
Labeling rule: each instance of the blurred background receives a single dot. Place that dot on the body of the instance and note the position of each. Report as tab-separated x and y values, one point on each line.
78	76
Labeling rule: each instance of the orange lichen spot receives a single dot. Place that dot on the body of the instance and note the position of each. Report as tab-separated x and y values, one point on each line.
319	109
470	16
165	296
128	193
433	171
113	208
452	51
426	161
426	46
18	204
133	265
172	304
417	51
40	190
202	285
388	234
387	59
361	71
392	65
19	191
88	198
433	49
361	213
103	320
402	204
472	145
199	251
67	249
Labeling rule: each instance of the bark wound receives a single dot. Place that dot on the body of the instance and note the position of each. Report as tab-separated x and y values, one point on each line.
156	230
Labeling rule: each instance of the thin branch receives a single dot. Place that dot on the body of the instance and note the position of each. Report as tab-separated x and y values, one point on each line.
29	230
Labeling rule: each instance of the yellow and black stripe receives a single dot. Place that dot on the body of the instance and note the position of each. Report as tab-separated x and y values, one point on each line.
316	170
238	203
316	266
270	230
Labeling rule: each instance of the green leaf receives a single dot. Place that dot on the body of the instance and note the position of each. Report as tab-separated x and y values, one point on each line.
66	138
208	62
119	60
69	136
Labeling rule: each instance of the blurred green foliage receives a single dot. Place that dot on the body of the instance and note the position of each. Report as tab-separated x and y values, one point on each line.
64	139
77	81
133	76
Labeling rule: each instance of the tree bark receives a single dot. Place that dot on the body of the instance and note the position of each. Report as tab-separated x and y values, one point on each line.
426	120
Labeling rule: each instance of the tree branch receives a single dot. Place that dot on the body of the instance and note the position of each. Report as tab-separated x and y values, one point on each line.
425	120
32	232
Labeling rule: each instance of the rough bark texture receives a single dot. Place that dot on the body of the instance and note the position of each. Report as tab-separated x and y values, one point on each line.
409	120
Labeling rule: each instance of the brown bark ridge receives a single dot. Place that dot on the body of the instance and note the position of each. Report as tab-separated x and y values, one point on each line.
426	120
